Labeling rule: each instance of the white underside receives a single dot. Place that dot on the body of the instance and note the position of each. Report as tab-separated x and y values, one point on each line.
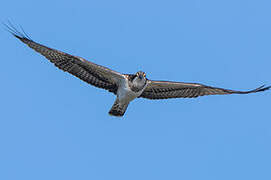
125	94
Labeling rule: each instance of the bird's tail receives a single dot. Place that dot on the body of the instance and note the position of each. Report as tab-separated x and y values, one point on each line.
118	109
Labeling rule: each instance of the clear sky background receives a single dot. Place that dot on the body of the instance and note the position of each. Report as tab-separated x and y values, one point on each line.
54	126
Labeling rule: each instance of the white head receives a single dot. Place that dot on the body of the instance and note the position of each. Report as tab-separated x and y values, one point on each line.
139	79
141	75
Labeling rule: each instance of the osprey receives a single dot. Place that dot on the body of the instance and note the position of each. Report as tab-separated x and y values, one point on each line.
126	87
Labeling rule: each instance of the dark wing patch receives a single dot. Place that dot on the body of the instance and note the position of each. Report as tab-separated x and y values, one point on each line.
89	72
167	89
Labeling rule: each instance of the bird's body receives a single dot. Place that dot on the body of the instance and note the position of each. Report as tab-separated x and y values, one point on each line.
125	93
126	87
129	88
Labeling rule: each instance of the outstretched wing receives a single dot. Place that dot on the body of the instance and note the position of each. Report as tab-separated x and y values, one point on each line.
89	72
167	89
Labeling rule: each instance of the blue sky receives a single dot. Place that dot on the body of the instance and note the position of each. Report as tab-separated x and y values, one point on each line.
54	126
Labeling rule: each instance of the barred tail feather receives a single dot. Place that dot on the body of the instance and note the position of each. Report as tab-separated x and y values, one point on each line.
118	109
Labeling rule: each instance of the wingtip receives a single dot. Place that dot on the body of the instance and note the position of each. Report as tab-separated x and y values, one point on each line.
21	35
262	88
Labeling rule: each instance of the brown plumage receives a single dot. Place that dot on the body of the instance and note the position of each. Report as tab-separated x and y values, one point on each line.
127	87
87	71
167	89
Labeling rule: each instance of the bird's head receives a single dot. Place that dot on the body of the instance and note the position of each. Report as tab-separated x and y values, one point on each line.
141	75
139	80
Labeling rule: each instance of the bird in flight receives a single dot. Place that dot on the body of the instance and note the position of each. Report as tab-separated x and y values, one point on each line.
126	87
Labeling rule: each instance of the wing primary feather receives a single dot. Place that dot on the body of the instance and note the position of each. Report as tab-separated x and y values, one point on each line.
13	30
25	34
10	28
167	89
89	72
259	89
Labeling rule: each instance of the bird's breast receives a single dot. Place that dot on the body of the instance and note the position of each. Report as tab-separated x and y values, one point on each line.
125	93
